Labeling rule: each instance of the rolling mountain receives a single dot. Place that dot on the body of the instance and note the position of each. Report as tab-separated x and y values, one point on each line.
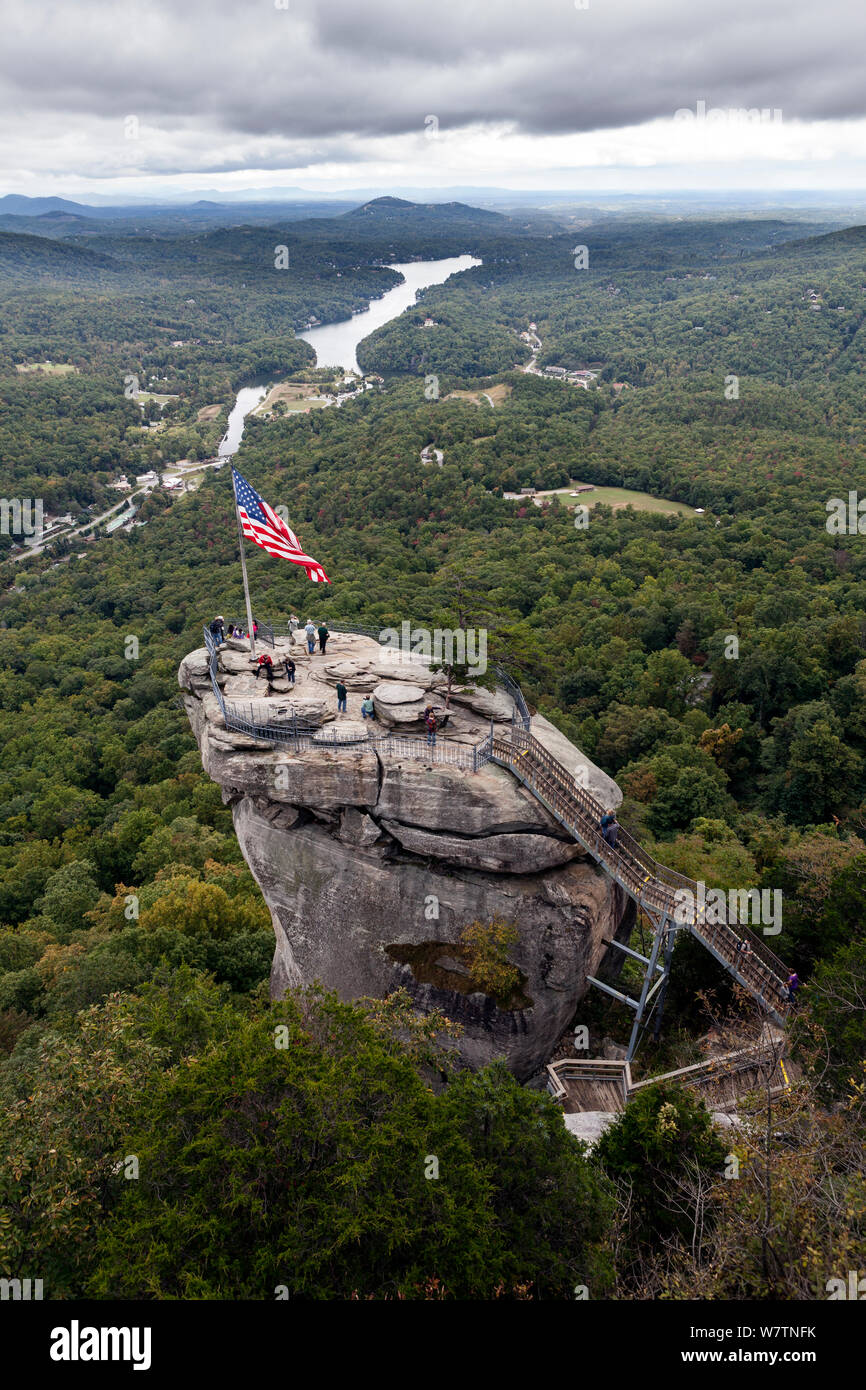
25	259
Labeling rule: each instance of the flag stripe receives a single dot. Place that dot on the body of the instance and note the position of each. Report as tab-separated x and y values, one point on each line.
261	524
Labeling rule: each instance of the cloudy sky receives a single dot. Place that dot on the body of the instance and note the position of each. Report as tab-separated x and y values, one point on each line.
160	96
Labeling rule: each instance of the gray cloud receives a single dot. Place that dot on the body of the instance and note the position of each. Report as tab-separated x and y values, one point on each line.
223	73
325	68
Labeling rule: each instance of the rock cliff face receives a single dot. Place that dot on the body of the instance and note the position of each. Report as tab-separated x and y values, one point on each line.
372	862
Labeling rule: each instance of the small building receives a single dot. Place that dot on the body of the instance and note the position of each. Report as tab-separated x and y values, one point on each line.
122	519
527	492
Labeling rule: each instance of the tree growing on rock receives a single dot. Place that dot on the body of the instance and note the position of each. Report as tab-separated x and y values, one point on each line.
485	947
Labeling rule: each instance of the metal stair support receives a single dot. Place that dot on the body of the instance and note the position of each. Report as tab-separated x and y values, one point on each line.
651	885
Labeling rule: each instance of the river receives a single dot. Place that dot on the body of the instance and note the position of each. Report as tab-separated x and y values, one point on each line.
335	343
246	400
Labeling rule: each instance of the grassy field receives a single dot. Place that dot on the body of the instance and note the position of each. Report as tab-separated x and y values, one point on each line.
615	497
142	396
50	368
295	395
494	395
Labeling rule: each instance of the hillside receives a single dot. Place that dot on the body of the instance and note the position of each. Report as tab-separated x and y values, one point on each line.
33	259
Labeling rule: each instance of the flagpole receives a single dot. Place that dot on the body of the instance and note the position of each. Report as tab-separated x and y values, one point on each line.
244	573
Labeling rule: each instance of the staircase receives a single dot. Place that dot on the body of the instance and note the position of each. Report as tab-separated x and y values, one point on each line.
652	886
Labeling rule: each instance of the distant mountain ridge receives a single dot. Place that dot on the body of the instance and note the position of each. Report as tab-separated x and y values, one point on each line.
391	209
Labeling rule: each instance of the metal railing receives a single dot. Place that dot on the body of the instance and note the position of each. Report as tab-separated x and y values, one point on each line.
521	717
280	723
281	626
358	629
651	884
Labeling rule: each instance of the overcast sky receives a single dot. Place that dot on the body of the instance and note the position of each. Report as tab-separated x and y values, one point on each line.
158	96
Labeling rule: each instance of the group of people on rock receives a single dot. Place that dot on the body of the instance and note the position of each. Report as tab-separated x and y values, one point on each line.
220	630
311	632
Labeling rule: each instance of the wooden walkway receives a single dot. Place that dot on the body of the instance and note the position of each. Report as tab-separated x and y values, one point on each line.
582	1085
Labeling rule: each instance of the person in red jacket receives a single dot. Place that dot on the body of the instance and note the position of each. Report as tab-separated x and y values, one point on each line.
266	666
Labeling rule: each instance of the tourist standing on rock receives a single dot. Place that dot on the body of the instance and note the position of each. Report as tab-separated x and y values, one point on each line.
368	710
430	724
310	630
324	634
290	670
342	694
294	624
218	630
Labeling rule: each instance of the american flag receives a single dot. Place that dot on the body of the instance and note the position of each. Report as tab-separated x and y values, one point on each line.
262	524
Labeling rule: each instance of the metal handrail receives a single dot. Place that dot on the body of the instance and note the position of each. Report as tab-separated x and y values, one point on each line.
651	884
521	709
281	626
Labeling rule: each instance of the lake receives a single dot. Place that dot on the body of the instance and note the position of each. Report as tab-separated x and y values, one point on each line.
335	343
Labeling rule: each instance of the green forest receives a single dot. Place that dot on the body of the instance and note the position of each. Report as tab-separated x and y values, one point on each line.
713	664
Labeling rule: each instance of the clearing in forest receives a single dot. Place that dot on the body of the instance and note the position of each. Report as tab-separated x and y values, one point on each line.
50	368
494	395
615	497
295	395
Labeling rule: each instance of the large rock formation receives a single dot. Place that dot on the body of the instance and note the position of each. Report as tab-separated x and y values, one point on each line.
372	859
